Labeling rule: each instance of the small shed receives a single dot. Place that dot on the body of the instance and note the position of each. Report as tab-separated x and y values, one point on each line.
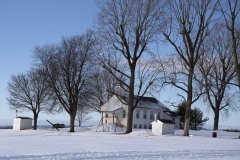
162	126
21	123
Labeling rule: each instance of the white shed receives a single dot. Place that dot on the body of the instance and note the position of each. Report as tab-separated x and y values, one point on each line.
21	123
163	126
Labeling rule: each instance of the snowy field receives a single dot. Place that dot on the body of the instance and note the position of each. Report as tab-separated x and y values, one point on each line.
86	143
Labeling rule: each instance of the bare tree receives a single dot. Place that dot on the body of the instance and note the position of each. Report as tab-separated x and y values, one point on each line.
217	72
82	115
230	10
126	29
188	23
68	69
29	92
101	88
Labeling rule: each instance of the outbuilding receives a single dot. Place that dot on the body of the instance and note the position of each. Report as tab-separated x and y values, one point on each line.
162	126
21	123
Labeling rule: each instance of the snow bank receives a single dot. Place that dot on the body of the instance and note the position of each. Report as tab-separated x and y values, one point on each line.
86	143
141	133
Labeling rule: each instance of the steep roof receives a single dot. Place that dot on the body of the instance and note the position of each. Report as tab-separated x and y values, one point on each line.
114	103
150	103
171	113
147	99
167	121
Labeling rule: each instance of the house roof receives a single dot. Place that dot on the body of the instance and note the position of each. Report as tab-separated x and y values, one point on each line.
24	117
141	98
166	121
147	99
111	109
111	105
171	113
114	103
150	103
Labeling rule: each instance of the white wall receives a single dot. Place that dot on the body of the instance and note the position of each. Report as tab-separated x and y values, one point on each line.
118	118
21	124
159	128
16	123
123	120
177	123
167	128
141	121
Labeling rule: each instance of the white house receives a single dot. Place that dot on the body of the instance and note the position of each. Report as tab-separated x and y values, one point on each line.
115	111
21	123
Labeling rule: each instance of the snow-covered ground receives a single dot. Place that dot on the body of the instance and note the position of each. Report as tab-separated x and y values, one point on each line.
86	143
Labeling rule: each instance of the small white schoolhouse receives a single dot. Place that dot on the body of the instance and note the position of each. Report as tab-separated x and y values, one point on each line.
115	111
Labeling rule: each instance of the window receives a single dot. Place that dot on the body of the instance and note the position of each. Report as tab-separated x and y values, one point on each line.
145	126
151	116
150	126
124	114
106	115
140	126
135	126
137	114
105	121
145	114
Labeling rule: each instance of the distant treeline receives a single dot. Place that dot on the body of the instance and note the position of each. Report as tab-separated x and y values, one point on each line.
6	127
231	130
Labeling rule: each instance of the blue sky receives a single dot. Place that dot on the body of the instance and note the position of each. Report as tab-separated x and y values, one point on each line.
27	23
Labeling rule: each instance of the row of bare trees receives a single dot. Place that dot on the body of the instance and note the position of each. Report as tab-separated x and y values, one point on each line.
197	30
129	28
205	57
65	78
81	71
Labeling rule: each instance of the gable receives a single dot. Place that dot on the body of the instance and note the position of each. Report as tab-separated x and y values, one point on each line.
112	104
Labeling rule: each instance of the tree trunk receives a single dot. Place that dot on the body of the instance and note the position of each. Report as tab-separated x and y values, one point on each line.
234	50
129	119
130	112
188	104
130	102
187	121
35	118
216	120
72	120
195	120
